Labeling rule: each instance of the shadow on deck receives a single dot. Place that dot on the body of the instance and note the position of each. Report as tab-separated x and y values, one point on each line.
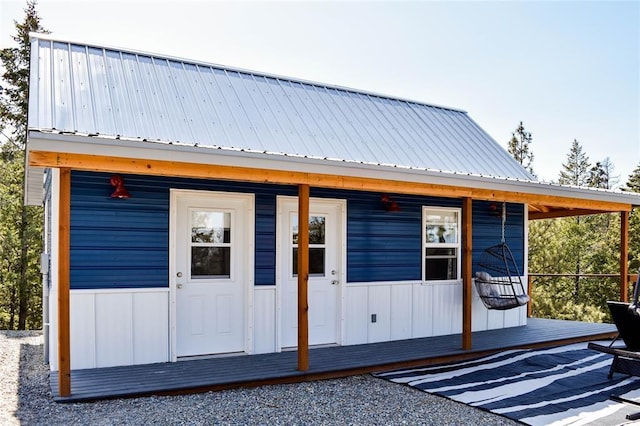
324	363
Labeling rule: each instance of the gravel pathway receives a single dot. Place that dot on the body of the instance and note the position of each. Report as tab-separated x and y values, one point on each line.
25	398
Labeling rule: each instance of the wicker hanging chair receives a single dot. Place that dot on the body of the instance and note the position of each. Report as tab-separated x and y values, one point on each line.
498	280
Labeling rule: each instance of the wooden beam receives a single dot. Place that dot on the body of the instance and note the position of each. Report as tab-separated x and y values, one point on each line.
624	256
212	171
303	277
467	260
552	214
64	342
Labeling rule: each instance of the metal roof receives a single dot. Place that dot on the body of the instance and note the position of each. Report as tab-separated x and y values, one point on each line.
134	96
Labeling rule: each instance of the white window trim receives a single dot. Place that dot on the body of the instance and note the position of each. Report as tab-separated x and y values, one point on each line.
457	245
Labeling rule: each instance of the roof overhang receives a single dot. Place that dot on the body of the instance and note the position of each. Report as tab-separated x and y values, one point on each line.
79	152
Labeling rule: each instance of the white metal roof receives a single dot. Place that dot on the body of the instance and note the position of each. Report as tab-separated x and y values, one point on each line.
107	101
135	96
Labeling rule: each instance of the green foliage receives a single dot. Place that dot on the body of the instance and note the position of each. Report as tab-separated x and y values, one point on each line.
20	225
577	245
601	175
576	170
519	147
633	184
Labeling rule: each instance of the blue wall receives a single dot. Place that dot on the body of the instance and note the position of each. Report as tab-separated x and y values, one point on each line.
125	243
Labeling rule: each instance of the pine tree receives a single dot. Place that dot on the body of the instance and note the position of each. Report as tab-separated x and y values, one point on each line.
20	225
601	175
576	170
633	184
519	147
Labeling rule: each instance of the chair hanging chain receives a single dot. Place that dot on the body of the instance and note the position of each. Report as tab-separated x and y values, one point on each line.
504	218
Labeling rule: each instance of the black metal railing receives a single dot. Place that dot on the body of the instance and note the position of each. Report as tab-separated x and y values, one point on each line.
579	297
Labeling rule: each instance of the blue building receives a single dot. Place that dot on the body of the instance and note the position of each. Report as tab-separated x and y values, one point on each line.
172	192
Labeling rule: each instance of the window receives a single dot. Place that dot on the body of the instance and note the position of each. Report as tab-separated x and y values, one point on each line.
210	244
441	243
316	245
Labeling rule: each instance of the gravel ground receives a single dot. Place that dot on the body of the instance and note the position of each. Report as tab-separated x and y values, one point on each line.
25	398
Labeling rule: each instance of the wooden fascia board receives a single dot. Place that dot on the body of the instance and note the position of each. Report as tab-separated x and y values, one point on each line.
139	166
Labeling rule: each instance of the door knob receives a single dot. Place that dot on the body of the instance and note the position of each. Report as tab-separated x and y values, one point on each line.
334	282
179	286
179	274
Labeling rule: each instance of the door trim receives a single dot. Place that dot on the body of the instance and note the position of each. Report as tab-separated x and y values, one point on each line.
249	243
342	263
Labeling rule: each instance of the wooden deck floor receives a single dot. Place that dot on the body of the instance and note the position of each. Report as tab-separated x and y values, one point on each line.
328	362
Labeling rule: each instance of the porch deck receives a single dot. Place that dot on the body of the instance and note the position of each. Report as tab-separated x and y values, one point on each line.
327	362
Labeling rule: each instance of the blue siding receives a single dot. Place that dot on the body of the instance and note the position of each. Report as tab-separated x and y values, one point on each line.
487	232
125	243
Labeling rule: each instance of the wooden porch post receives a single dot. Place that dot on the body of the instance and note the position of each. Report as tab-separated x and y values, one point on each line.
303	277
529	292
64	344
624	256
467	247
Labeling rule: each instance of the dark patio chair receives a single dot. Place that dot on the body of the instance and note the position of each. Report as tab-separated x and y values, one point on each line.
626	360
626	317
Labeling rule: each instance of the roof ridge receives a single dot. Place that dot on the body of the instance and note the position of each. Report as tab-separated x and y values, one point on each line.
50	37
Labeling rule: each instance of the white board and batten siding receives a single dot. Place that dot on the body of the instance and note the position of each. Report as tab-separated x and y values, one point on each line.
131	326
264	317
117	327
377	312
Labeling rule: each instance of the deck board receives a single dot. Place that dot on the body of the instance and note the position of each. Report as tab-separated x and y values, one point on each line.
338	361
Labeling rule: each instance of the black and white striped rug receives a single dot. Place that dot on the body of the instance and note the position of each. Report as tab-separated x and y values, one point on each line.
565	385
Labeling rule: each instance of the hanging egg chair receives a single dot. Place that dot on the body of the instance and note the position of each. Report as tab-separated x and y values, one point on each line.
498	281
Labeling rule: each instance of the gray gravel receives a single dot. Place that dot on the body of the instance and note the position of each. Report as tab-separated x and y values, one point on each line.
25	398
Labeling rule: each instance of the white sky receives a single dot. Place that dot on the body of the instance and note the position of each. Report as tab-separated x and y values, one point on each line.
566	69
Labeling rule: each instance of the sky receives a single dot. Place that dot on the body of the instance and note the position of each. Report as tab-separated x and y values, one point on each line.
567	70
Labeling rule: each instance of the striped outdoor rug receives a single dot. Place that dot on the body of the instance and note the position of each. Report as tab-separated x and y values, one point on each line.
565	385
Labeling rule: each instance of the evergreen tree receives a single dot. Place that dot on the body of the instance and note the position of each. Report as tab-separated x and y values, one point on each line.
20	225
519	147
601	175
576	171
633	184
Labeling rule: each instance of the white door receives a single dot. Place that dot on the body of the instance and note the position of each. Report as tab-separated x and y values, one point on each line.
325	274
213	246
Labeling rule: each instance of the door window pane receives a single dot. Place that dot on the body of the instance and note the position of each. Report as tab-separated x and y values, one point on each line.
316	262
316	229
210	262
210	227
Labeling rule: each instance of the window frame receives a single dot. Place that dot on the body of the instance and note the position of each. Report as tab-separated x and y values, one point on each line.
457	245
230	245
